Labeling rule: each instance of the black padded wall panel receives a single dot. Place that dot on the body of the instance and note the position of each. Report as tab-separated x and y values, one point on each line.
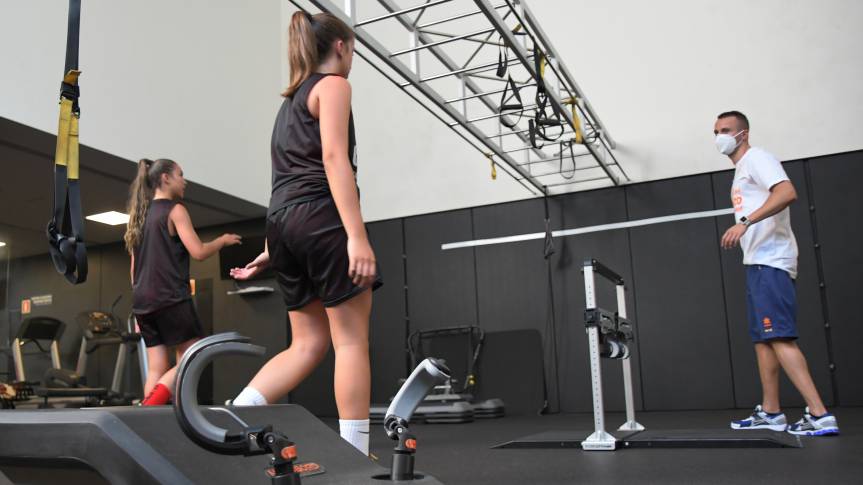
685	362
513	280
839	212
441	284
812	339
612	249
387	330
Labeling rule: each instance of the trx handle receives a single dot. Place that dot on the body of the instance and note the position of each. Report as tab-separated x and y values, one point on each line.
510	105
67	248
537	127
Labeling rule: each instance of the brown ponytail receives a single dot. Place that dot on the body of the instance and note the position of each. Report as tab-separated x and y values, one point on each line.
147	180
310	39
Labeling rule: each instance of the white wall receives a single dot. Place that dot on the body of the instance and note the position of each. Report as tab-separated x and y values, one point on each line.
197	81
657	73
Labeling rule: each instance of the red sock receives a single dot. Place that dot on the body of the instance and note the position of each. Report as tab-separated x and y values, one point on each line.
159	396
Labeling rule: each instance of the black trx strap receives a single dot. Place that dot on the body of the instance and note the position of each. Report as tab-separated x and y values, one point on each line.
538	127
571	156
511	104
68	251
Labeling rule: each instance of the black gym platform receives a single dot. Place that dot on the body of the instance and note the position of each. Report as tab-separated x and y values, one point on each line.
145	445
140	445
463	453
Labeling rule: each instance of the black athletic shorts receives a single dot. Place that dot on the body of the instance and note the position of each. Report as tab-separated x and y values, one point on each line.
309	252
171	325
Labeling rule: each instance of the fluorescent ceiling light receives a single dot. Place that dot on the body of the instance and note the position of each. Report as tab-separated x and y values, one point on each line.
112	218
2	244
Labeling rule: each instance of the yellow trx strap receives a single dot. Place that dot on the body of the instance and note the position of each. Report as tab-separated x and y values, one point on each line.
67	133
493	168
576	122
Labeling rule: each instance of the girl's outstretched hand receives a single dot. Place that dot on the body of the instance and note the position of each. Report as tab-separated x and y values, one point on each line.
250	270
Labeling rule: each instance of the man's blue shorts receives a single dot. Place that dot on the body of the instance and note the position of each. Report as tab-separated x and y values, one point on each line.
771	303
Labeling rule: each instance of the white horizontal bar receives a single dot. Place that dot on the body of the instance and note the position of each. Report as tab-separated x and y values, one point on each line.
585	230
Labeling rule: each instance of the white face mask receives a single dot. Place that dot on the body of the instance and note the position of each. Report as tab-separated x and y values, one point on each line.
726	144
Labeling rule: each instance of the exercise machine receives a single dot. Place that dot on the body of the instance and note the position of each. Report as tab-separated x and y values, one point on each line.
250	440
610	335
56	382
450	401
102	329
189	444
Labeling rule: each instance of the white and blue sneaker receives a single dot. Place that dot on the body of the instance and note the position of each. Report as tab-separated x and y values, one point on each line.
811	426
762	420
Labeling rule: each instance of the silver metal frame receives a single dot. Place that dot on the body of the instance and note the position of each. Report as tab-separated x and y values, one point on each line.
480	129
18	360
601	440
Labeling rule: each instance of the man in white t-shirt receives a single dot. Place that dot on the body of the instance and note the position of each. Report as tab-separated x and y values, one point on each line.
761	193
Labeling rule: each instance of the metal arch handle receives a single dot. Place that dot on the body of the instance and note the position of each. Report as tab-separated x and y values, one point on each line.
425	376
186	408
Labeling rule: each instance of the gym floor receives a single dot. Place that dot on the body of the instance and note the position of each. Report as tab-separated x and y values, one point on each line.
462	453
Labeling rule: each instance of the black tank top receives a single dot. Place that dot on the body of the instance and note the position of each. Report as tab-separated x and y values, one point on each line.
161	263
298	167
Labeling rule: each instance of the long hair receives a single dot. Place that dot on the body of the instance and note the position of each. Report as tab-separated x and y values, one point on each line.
310	39
147	180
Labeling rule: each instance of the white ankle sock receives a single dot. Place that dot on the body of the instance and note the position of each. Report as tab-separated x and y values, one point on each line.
249	397
356	432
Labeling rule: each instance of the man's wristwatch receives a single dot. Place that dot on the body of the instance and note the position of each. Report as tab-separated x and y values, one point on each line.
745	221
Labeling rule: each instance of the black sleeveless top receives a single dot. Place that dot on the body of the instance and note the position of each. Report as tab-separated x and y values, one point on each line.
295	147
161	263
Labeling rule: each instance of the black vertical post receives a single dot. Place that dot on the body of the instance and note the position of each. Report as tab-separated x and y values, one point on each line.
822	285
548	251
408	363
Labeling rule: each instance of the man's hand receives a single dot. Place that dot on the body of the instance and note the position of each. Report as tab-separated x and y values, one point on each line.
732	236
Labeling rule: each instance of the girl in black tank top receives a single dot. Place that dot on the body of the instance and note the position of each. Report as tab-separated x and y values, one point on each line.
160	238
316	240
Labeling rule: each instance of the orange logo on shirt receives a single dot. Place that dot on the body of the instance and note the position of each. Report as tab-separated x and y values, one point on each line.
737	199
768	325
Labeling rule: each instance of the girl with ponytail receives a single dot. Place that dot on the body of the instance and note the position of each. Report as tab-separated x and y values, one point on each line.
160	238
316	240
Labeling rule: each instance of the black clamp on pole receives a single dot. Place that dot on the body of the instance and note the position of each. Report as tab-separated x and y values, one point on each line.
429	373
252	440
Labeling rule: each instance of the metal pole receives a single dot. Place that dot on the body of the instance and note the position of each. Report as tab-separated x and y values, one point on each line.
457	17
482	68
524	14
400	12
631	424
415	55
55	355
81	366
489	93
441	42
351	11
432	96
119	368
520	52
599	440
447	61
506	167
18	359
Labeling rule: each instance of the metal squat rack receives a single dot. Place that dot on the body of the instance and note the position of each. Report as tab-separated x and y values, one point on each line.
469	67
609	334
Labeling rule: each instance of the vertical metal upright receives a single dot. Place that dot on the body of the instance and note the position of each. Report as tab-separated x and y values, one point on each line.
631	424
601	439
